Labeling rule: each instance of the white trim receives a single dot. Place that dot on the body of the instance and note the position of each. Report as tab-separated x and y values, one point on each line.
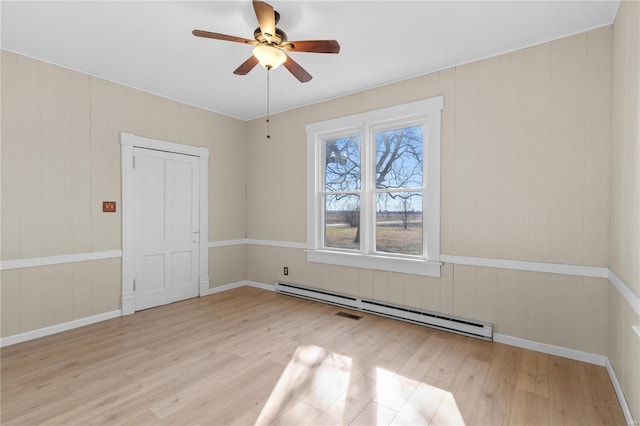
621	398
56	260
383	263
239	284
227	243
203	269
47	331
636	328
129	139
128	303
550	349
126	164
128	142
282	244
227	287
625	291
523	265
255	242
268	287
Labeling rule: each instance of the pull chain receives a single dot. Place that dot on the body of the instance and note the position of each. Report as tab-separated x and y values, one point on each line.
268	109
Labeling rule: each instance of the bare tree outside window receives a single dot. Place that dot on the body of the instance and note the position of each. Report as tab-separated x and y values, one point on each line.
342	193
399	169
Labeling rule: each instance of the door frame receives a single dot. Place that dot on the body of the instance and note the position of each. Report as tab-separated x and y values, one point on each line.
128	142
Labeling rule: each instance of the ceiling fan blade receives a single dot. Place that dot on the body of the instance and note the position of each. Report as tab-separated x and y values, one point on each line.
266	18
218	36
315	46
246	66
296	69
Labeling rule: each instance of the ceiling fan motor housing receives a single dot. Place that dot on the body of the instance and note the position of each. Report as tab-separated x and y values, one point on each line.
277	39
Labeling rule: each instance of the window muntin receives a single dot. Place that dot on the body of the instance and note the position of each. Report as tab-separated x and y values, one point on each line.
393	201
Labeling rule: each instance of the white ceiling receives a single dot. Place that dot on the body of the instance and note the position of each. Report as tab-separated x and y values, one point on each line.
148	44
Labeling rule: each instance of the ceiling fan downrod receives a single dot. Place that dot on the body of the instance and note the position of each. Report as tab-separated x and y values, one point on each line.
268	102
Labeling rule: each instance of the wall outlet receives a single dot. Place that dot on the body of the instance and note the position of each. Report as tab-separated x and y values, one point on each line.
286	270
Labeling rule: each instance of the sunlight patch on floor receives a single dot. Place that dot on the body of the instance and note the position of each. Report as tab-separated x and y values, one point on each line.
415	402
313	380
317	387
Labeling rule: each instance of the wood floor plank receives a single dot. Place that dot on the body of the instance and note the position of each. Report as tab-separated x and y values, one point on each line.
446	367
468	384
529	409
249	356
566	400
496	399
533	376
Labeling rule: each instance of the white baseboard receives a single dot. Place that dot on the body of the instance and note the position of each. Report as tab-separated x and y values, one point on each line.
239	284
262	286
227	287
621	399
47	331
551	349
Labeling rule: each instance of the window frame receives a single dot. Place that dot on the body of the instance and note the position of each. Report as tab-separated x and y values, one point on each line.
429	113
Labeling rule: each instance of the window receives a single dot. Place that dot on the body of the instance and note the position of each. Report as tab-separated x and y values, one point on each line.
374	189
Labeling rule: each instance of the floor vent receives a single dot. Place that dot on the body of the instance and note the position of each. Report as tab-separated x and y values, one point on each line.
348	315
467	327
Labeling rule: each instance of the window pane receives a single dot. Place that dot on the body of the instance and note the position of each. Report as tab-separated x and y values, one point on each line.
342	221
399	158
399	223
342	160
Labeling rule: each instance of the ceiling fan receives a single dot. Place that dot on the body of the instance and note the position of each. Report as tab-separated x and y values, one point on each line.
271	44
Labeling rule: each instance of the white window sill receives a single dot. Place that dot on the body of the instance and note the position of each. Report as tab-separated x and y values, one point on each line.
383	263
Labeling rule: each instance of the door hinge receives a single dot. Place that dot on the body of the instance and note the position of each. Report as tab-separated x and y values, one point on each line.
134	285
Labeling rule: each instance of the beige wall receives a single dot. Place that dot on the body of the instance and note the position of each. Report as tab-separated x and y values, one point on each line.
61	159
525	176
624	344
625	150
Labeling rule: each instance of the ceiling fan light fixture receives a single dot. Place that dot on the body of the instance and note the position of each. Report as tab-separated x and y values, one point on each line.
269	57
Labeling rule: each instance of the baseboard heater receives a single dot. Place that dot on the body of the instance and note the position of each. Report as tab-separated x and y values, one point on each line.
467	327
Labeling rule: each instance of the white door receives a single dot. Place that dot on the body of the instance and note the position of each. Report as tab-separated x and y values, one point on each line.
166	227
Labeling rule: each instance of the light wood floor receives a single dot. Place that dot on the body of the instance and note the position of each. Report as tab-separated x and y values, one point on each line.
250	356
